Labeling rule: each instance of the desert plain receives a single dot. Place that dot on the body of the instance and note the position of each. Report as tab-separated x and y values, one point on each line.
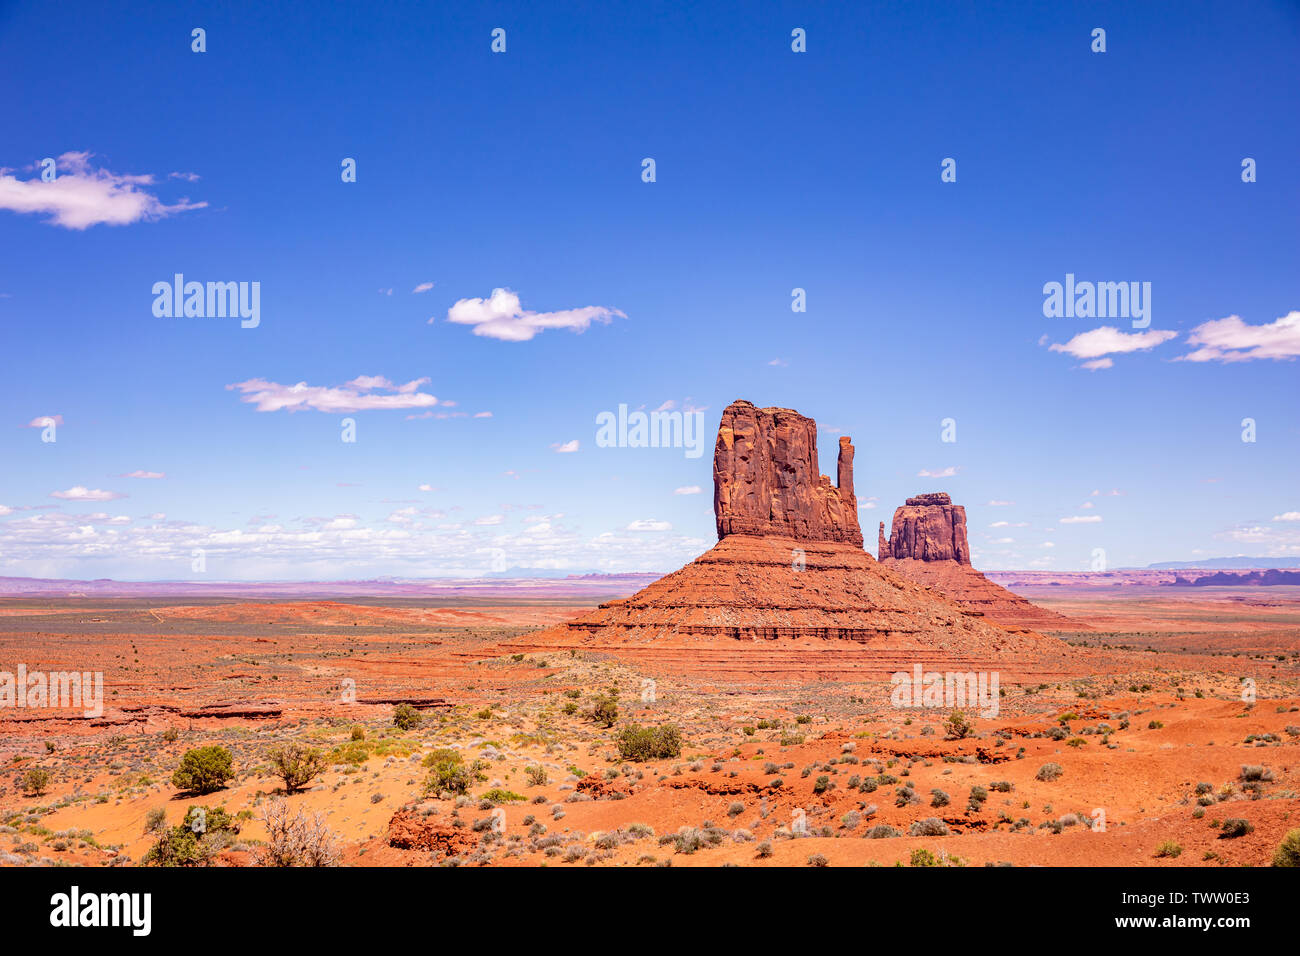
1169	729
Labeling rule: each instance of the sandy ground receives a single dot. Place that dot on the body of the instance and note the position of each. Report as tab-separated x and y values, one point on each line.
778	767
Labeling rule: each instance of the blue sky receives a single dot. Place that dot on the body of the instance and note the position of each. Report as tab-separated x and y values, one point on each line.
522	171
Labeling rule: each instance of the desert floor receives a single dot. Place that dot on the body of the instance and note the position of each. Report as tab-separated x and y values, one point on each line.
1156	739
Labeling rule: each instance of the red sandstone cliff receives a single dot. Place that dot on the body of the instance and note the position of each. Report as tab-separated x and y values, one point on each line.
927	528
766	480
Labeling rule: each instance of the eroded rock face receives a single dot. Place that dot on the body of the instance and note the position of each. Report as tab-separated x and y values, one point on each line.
766	480
927	528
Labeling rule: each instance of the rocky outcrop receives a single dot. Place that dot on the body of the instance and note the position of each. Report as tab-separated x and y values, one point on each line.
766	480
788	588
927	544
927	528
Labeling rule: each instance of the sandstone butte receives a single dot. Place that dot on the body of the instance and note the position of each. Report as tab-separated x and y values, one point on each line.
788	591
927	544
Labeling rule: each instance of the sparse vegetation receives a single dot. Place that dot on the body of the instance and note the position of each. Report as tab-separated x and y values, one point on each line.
204	770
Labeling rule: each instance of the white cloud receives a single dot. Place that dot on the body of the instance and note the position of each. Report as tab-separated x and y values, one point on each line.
998	504
565	447
1287	516
81	196
482	414
502	316
1009	524
1081	519
1097	364
144	474
778	363
1232	340
354	396
490	519
1108	340
82	493
942	473
649	524
688	490
422	287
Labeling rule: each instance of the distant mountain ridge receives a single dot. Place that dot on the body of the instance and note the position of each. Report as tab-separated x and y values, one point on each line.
1227	564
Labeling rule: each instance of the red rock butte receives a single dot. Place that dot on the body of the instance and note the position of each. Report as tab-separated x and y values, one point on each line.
789	575
927	544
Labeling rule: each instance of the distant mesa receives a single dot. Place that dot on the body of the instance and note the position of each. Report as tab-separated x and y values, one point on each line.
927	528
789	574
927	544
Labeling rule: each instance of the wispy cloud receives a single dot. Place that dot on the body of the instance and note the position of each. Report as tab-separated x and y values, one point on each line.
565	448
649	524
1232	340
502	316
82	493
688	490
422	287
144	474
364	393
941	473
1108	340
1081	519
82	196
1287	516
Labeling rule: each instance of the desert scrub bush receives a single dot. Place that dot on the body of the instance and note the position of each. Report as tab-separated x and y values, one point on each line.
204	769
604	711
497	795
763	850
35	781
296	765
882	831
639	743
536	776
938	798
1235	827
194	842
358	732
1169	849
1288	851
930	826
171	734
448	772
297	839
817	860
1049	772
1254	772
406	717
735	809
958	726
822	784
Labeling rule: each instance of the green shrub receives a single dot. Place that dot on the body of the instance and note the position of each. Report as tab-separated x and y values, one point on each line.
297	765
1169	848
35	781
406	717
1288	851
604	711
649	743
204	769
448	772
